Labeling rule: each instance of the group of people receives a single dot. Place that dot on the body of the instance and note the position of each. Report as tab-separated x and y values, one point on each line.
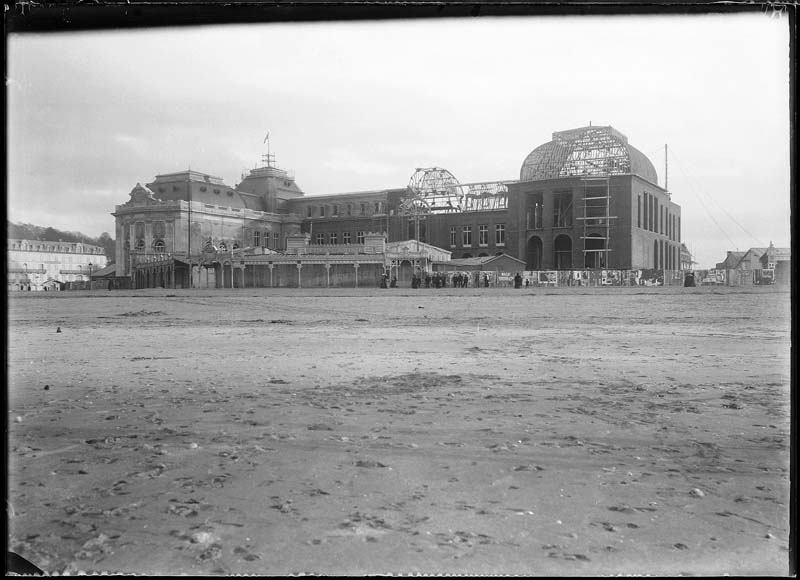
444	280
439	280
387	283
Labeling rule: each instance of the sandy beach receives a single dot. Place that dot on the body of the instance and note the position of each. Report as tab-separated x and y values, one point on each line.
568	431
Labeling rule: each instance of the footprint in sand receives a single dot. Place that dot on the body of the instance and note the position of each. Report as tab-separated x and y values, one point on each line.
204	542
245	554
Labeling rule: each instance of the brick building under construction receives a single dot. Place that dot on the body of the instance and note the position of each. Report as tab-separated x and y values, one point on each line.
585	199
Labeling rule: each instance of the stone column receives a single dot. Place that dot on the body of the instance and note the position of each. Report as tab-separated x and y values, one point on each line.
299	277
355	266
328	274
271	266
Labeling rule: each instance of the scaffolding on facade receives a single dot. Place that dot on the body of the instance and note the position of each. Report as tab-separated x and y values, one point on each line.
596	217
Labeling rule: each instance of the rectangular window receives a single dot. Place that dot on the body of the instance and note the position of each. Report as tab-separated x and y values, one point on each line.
334	238
346	238
466	236
335	210
655	214
679	228
359	237
322	211
275	239
452	236
500	234
639	211
562	210
483	235
349	210
537	221
377	207
661	219
310	211
256	239
363	209
320	238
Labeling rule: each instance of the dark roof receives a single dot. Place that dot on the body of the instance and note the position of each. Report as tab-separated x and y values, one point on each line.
110	270
479	261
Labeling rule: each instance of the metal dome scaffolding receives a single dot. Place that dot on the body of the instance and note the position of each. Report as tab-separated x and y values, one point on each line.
487	196
436	190
586	152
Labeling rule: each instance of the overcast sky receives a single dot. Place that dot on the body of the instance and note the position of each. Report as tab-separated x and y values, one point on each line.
360	105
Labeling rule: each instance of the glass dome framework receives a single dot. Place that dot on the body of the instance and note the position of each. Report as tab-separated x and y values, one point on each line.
586	152
436	190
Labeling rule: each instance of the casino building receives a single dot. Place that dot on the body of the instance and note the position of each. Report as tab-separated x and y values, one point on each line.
585	199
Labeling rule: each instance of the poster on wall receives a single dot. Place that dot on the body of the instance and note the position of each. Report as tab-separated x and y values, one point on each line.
549	278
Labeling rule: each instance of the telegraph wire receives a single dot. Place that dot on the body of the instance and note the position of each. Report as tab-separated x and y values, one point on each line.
692	183
711	215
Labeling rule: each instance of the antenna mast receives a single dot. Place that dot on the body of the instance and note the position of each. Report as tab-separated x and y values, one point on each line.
269	159
666	169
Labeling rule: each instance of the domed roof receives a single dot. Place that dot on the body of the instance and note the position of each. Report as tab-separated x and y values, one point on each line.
587	151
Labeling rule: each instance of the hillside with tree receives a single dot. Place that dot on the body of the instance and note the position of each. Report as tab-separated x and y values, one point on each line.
33	232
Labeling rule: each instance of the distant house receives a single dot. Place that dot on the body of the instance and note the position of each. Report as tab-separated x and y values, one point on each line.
751	259
36	264
780	261
686	261
53	285
731	261
107	278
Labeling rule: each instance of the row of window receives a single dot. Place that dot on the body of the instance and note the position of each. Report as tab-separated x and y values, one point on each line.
162	189
263	238
562	211
657	217
159	229
333	238
158	246
57	248
483	235
348	210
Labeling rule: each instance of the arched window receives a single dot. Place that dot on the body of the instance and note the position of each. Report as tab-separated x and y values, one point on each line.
139	247
534	257
159	246
223	247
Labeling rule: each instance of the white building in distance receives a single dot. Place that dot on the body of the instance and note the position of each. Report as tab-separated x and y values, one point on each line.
36	265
